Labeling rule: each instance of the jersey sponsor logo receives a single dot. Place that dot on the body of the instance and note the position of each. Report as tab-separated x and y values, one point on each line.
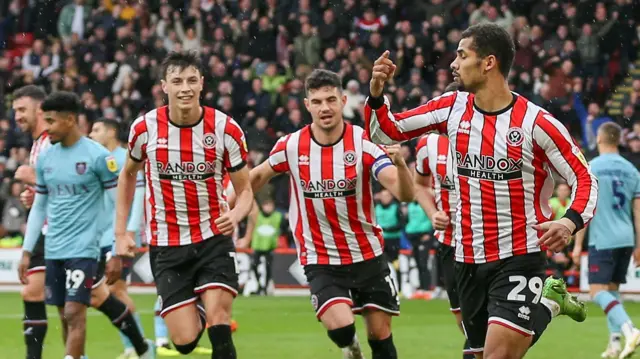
446	183
209	141
81	168
71	189
112	165
515	136
193	171
488	167
350	158
464	127
329	188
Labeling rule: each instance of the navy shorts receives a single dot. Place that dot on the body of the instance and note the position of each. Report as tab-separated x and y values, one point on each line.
609	265
100	277
69	280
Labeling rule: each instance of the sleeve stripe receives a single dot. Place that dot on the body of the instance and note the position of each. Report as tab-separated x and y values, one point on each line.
584	193
41	191
113	180
384	165
110	186
237	167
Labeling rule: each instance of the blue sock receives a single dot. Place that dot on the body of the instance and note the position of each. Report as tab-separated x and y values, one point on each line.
614	329
158	323
612	308
125	341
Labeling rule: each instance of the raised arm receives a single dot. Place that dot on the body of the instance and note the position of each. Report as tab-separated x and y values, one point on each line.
385	127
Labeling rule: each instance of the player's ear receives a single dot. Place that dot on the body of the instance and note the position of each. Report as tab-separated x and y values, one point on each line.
163	83
306	104
489	63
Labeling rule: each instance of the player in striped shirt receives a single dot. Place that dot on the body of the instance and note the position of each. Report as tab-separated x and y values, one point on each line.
30	119
331	214
185	150
612	238
436	194
504	149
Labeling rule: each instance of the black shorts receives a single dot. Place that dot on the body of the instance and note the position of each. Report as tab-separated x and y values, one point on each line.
609	265
362	285
69	280
446	258
504	292
392	249
181	273
37	263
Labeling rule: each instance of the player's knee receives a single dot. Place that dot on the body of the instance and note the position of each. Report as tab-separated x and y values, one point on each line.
219	316
74	315
32	293
342	337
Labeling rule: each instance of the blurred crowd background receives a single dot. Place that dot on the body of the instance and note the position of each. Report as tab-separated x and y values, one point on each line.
577	58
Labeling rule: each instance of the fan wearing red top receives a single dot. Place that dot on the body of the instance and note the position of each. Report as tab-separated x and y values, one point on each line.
331	214
185	150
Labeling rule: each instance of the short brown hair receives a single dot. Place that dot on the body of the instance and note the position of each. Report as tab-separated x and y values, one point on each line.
610	133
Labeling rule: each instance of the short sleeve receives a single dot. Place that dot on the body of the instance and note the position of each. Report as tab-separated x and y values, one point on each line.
41	185
107	169
140	179
278	155
138	137
422	158
235	146
636	192
374	157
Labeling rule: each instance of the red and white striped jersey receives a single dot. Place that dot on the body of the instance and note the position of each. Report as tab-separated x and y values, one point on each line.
184	167
432	159
39	144
502	171
331	210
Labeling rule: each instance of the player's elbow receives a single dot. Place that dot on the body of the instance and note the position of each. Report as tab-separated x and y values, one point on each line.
405	194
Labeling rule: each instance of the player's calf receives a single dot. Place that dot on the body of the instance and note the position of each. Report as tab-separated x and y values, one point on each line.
379	334
75	315
218	304
336	315
35	323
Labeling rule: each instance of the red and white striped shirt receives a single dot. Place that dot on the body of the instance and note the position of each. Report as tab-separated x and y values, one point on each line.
502	171
432	159
331	210
39	144
184	167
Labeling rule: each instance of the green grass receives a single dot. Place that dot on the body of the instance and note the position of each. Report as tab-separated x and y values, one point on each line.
285	327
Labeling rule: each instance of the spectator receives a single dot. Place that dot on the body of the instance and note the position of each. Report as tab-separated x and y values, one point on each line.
14	215
72	20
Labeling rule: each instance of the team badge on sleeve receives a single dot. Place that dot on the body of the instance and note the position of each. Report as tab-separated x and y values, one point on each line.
112	165
576	151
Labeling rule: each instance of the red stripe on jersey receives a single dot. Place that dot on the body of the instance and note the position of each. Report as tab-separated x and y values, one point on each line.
425	161
462	146
153	222
304	149
516	189
488	193
140	129
162	155
367	208
539	177
388	127
441	169
580	171
299	235
326	171
190	189
352	204
210	157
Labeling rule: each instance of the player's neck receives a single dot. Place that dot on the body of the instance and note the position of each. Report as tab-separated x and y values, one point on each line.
38	129
327	138
112	145
71	139
604	150
493	97
187	117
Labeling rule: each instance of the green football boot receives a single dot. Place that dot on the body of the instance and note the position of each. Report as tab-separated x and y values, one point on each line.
555	290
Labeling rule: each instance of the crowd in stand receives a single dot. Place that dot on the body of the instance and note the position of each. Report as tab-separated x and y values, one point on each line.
571	55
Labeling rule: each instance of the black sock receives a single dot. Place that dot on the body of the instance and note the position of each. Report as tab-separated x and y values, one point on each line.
383	349
122	319
221	342
466	354
35	326
540	322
